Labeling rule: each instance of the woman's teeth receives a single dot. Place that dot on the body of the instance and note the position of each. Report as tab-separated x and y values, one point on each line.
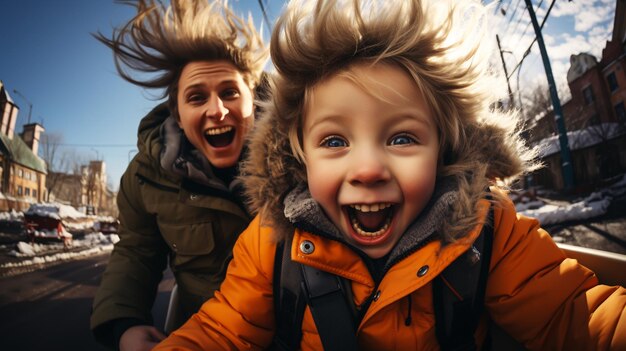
220	136
216	131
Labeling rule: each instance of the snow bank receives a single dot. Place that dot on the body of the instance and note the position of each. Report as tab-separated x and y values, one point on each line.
12	216
55	210
593	206
580	139
44	253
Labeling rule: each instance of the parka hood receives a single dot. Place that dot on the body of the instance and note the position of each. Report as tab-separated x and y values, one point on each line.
149	135
271	171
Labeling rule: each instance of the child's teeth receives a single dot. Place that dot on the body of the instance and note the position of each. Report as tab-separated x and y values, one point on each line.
370	208
355	226
365	208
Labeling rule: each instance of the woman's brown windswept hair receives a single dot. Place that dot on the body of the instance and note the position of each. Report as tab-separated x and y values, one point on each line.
162	39
440	44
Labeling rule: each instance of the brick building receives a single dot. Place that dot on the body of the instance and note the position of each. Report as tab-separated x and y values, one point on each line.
595	117
22	172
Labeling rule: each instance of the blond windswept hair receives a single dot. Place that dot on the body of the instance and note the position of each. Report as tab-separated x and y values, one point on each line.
160	40
439	44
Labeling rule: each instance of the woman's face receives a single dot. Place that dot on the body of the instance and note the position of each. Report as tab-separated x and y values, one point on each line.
216	110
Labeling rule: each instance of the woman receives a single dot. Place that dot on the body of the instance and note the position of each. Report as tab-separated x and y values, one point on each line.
178	198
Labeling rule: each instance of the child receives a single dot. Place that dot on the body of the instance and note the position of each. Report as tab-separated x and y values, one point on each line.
377	158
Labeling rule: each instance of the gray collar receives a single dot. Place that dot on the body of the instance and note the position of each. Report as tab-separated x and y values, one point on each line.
305	213
181	158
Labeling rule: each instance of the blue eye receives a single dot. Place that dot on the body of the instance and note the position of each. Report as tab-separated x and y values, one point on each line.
402	139
333	141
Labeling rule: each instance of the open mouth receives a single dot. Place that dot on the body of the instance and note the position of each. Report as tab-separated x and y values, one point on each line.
220	137
371	220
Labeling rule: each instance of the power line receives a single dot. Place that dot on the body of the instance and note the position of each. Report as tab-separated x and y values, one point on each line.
267	21
513	15
529	23
534	40
499	6
517	24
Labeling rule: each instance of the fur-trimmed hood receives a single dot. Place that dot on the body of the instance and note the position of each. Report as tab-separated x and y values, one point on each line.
271	170
312	43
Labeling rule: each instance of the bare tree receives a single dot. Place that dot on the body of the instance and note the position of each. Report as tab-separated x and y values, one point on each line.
536	102
57	161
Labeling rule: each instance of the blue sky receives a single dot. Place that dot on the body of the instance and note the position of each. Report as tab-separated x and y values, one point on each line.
49	56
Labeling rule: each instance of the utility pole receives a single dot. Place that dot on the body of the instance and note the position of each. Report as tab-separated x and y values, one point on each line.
506	73
566	161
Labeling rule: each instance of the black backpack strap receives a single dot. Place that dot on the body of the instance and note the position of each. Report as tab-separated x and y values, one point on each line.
328	296
459	293
289	299
332	315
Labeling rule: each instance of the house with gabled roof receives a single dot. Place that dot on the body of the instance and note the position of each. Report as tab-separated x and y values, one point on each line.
22	172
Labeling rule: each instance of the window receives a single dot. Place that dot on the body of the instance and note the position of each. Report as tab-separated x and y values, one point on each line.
620	112
27	175
34	193
588	95
19	190
612	80
27	191
20	173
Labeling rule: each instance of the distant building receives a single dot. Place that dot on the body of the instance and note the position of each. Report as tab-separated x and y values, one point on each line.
95	193
22	172
595	117
87	190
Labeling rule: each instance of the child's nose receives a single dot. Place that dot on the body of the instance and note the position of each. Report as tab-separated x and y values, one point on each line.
215	109
369	169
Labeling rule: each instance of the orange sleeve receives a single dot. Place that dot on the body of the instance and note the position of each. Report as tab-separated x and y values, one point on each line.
545	300
241	314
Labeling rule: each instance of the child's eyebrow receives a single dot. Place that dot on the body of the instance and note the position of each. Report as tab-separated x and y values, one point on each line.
414	116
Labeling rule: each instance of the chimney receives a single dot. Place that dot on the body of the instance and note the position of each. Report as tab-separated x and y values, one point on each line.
8	112
31	134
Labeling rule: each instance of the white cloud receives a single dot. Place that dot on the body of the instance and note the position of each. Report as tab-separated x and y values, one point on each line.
590	17
562	8
568	45
586	14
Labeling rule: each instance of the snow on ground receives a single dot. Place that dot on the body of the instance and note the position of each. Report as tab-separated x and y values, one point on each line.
91	244
12	216
582	138
593	205
55	210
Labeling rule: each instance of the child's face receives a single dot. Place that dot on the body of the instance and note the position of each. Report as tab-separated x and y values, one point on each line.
371	161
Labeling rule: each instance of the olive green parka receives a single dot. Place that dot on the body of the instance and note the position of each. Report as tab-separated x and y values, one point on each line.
165	216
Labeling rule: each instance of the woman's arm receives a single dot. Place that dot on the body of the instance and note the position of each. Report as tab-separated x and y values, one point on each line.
241	314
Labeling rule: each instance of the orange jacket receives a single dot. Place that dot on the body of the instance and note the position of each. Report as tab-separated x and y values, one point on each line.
534	293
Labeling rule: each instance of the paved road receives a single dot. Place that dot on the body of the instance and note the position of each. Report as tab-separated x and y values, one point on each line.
49	309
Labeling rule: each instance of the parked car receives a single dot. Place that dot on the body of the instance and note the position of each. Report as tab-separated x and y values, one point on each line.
106	225
56	222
